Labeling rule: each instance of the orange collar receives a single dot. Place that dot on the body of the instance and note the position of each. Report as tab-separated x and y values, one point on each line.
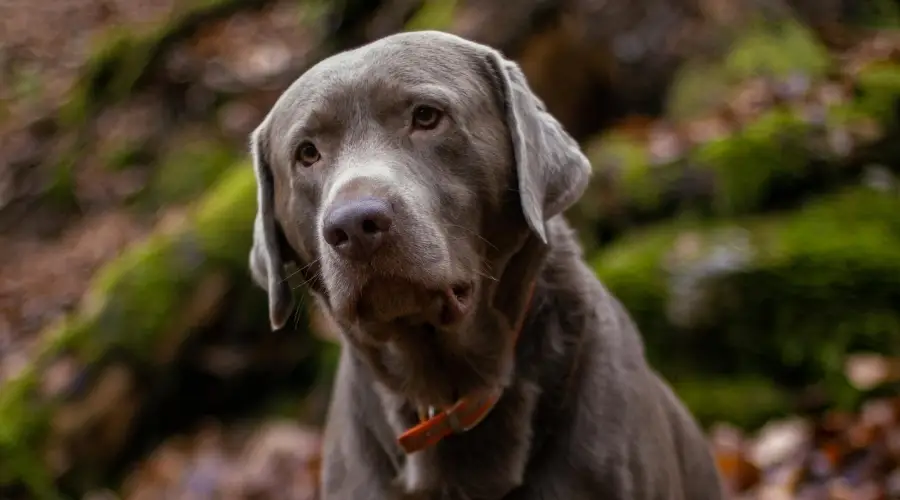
463	415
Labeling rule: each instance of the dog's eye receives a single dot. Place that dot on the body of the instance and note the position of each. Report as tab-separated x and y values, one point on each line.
426	118
307	154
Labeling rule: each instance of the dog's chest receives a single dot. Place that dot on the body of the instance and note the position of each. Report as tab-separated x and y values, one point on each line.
487	462
423	478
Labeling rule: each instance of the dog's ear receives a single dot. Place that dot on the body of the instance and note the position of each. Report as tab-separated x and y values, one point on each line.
266	260
552	171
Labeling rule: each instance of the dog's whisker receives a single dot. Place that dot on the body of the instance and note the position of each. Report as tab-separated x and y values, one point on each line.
291	275
300	270
308	281
297	314
473	233
485	275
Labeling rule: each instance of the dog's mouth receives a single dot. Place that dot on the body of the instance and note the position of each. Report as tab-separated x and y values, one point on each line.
404	302
455	303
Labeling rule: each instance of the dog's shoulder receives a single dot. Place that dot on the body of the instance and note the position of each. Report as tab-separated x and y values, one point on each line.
626	431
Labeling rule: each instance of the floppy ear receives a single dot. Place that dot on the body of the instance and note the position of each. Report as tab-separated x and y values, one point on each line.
266	262
553	173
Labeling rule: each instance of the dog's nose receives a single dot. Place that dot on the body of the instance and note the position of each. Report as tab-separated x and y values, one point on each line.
357	228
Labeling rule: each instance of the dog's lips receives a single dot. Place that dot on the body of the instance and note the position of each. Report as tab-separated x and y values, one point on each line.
448	306
390	300
456	303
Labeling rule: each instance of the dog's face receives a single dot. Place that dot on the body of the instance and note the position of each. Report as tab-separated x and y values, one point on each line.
402	177
385	161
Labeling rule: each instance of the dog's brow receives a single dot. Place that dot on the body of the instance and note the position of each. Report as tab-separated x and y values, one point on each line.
314	123
436	94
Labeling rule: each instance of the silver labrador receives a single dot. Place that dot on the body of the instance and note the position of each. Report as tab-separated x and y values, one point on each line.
418	185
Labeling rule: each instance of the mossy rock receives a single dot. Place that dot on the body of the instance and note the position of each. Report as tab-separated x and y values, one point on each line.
878	88
783	296
747	401
764	127
771	151
785	154
775	50
122	55
879	14
136	314
186	169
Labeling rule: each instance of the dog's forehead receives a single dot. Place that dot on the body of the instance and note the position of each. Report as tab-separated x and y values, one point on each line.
410	58
401	60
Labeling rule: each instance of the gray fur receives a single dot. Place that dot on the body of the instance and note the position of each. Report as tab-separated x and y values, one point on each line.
478	200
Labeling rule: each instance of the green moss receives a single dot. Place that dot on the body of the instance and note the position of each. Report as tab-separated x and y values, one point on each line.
628	162
61	190
140	289
776	50
122	54
27	85
148	282
315	10
124	156
783	296
21	422
744	168
100	65
185	171
122	57
746	164
697	88
75	110
762	49
879	90
884	14
747	402
778	155
617	160
433	15
625	186
225	222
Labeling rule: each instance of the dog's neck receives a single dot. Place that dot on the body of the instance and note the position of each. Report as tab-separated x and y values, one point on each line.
467	412
528	369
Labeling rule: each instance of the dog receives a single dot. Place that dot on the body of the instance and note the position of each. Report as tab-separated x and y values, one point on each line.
418	187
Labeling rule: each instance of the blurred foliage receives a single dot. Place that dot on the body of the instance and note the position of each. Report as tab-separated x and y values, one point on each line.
433	15
783	296
880	14
129	310
187	169
761	49
746	401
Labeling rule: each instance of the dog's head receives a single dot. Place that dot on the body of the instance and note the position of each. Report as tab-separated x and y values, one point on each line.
403	178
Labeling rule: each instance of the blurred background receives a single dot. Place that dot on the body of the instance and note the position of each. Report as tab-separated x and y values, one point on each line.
745	206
